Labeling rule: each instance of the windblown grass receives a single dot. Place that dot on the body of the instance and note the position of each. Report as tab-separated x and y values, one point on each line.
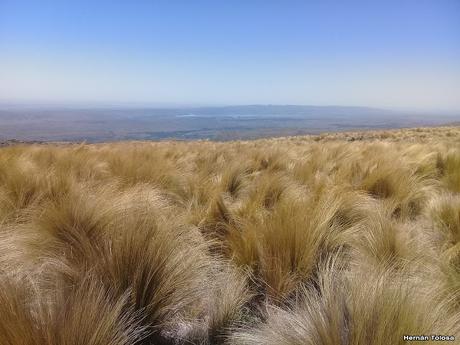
342	238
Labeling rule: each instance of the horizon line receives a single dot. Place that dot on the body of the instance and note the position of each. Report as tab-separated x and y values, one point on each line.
53	104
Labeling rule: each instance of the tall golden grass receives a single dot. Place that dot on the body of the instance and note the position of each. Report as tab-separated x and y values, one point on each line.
337	239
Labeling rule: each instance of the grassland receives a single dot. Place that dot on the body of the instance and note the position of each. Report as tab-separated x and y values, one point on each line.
336	239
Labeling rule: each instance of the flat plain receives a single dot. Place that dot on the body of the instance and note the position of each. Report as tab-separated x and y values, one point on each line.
74	124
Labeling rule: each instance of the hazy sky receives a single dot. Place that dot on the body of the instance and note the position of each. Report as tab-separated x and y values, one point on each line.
378	53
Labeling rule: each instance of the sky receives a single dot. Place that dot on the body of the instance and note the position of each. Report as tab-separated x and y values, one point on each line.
394	54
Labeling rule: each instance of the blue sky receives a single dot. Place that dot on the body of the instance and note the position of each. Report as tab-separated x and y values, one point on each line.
403	54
